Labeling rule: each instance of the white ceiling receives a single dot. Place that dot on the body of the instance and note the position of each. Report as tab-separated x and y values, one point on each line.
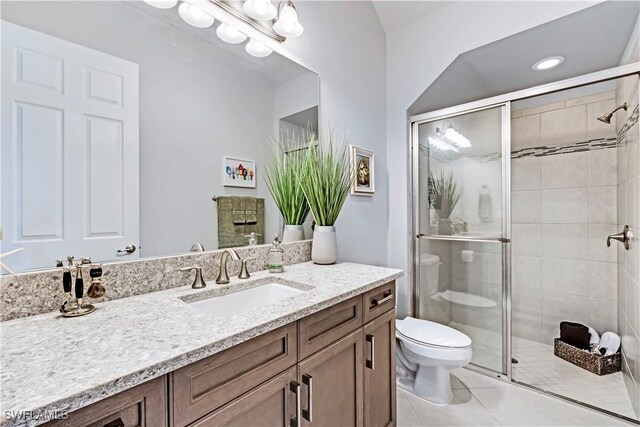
393	14
591	40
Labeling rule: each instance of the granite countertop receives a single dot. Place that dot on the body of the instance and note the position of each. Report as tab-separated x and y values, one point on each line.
52	363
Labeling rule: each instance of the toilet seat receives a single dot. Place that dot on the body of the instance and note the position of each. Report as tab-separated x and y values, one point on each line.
431	334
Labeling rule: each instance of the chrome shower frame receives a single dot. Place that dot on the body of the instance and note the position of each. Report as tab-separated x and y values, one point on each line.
414	231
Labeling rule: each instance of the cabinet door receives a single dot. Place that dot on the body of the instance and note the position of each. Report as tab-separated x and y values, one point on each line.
332	384
380	371
271	404
210	383
142	406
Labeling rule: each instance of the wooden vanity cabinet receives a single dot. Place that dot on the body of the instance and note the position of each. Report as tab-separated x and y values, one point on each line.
380	371
332	384
271	404
333	368
142	406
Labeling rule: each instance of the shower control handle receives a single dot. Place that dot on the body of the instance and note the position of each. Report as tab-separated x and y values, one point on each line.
624	237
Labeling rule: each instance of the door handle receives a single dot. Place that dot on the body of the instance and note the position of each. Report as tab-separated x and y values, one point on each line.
308	413
624	237
371	339
129	249
294	387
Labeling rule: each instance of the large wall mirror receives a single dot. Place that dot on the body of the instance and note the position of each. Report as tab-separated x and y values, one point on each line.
120	126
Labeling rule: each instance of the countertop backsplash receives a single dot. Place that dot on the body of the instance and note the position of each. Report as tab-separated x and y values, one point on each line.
38	292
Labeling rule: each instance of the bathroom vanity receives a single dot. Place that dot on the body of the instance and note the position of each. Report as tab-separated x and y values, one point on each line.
324	356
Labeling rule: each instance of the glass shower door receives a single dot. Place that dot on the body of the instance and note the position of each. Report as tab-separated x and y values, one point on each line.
461	165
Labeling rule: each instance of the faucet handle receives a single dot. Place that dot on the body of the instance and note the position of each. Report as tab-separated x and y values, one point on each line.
244	272
198	281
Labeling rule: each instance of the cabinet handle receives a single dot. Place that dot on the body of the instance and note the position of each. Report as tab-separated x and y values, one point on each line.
371	362
115	423
294	387
308	413
386	298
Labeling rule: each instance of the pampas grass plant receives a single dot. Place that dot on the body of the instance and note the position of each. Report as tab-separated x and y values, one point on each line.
326	178
283	177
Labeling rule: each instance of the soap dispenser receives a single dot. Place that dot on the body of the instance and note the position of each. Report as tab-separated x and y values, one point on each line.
253	238
276	256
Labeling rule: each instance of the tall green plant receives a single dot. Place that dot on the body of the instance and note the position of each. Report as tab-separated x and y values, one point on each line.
444	193
326	179
283	179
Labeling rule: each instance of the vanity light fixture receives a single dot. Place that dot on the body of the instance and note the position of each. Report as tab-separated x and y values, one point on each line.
255	48
452	136
162	4
230	34
195	16
260	10
287	24
547	63
442	145
252	16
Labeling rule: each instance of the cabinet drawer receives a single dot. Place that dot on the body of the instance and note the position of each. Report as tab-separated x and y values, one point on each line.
324	327
205	386
271	404
143	405
379	300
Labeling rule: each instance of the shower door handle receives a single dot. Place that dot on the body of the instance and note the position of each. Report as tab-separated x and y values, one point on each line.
624	237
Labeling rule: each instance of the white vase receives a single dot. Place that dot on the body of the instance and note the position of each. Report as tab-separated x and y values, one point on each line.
325	246
293	233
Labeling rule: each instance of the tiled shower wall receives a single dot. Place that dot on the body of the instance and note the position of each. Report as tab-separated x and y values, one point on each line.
563	209
629	213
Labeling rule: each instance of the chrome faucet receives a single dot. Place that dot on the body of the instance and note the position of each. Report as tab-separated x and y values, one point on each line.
223	274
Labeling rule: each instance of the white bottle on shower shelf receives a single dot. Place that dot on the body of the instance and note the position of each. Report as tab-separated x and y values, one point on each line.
485	205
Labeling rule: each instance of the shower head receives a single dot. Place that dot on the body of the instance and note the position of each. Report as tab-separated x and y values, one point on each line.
606	118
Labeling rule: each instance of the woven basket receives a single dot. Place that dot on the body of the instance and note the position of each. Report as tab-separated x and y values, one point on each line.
599	365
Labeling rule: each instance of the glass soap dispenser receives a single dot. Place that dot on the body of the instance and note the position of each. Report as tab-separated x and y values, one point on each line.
276	256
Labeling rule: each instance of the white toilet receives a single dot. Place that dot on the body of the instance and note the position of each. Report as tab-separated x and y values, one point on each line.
425	354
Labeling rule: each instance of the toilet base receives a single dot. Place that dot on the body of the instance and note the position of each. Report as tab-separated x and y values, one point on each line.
433	384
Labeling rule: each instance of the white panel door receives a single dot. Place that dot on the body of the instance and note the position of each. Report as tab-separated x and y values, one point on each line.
70	158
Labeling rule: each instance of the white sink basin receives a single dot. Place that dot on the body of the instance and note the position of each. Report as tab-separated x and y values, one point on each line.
245	300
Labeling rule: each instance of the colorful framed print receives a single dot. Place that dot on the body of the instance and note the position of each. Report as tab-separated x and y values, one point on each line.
362	165
239	173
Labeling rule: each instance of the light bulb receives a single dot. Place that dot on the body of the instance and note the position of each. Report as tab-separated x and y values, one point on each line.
261	10
255	48
230	34
162	4
195	16
260	7
287	24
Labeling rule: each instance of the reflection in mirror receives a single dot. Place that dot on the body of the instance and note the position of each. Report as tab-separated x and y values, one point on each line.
121	123
460	175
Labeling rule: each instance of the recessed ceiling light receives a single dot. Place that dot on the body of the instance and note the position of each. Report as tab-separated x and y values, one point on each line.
546	63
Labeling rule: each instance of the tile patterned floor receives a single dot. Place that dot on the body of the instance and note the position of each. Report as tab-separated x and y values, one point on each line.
537	366
483	401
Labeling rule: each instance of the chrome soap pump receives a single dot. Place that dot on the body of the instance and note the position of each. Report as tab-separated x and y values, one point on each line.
276	256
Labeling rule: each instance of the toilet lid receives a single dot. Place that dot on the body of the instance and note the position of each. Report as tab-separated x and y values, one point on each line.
431	333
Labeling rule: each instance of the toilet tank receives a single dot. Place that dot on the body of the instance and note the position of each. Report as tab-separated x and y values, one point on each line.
429	269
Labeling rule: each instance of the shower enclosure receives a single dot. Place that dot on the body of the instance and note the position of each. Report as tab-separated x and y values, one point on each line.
465	233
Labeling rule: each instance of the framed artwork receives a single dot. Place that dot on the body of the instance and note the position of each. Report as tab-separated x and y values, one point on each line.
238	173
362	165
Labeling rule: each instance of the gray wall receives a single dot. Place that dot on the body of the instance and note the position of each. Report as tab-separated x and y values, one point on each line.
345	44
